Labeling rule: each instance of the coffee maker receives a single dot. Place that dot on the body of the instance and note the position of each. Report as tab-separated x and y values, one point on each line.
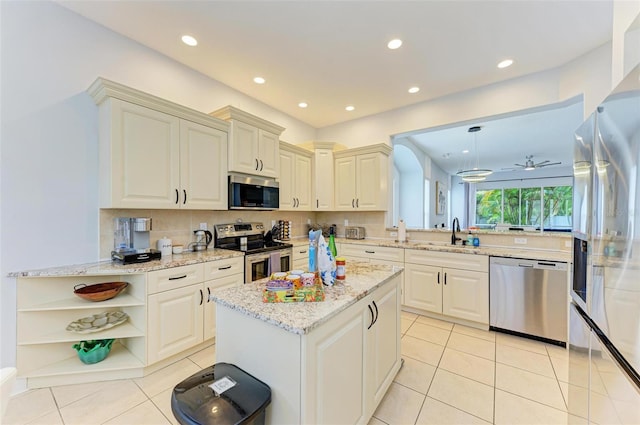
131	240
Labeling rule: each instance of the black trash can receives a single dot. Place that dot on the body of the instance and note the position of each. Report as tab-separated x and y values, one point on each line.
220	394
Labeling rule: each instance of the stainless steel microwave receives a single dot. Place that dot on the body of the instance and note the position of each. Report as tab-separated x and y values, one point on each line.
247	192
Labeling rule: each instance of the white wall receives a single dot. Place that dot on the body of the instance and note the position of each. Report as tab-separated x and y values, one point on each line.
49	159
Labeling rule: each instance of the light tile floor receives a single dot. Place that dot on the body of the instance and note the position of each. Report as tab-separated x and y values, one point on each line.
452	374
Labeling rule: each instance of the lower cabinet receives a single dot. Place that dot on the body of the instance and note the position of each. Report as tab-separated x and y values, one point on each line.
455	285
300	257
221	274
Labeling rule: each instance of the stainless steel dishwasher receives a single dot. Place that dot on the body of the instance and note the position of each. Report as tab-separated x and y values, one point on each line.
529	297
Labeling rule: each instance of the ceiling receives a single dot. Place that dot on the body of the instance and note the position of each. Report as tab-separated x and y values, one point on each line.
546	133
331	54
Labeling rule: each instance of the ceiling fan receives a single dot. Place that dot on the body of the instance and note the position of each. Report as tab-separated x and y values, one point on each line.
530	165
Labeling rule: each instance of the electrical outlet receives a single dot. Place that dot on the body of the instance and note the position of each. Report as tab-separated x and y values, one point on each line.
308	221
520	241
393	234
346	222
203	226
273	223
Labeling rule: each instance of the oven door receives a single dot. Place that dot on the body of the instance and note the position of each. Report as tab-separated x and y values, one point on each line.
256	266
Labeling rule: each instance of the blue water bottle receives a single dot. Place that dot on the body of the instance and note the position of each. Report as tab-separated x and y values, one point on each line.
313	248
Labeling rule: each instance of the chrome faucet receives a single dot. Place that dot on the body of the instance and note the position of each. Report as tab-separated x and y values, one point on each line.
455	227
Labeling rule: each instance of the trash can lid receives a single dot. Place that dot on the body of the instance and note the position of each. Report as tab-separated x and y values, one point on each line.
220	394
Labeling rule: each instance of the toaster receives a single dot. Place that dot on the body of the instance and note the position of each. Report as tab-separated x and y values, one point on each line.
354	232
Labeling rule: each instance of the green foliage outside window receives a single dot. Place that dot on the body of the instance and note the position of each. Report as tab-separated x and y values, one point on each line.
522	207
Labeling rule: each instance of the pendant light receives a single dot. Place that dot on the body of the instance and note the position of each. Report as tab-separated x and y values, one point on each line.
475	174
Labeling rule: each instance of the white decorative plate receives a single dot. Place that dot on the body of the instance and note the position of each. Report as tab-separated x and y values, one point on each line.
98	322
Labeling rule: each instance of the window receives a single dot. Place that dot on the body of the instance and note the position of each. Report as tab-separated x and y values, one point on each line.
547	206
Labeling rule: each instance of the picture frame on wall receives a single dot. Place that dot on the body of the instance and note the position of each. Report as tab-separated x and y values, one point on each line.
441	198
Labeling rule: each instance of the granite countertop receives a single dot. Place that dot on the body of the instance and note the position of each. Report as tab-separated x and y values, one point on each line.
498	251
301	317
110	267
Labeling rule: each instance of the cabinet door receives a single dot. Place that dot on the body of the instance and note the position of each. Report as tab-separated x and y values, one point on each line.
268	154
287	180
385	349
211	286
323	183
203	167
423	287
302	180
334	390
345	183
466	295
141	160
175	321
243	149
368	181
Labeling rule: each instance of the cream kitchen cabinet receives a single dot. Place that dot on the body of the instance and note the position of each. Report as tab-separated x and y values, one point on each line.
295	178
451	284
323	175
47	305
155	154
361	178
219	274
254	143
301	257
175	310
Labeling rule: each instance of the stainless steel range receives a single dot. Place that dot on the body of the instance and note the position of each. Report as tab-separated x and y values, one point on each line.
263	255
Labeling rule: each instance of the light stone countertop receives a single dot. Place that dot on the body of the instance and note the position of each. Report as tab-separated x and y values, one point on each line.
497	251
301	317
111	267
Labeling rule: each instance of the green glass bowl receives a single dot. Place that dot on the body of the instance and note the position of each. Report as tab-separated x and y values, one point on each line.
95	354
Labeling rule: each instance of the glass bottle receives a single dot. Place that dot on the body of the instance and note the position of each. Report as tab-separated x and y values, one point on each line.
332	242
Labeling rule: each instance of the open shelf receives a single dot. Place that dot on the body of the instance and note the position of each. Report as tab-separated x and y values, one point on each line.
119	358
77	303
125	330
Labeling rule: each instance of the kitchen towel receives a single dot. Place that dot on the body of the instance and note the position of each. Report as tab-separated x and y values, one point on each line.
274	263
402	231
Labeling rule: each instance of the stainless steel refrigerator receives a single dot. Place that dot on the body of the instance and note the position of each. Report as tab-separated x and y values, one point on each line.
604	317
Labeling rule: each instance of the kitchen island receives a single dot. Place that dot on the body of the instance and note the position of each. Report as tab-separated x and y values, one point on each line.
326	362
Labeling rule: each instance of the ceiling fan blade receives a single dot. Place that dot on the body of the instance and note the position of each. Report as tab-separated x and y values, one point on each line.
541	163
511	168
520	165
546	165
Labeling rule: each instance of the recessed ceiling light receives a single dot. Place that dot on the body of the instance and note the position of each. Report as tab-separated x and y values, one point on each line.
259	80
465	151
350	108
505	63
394	44
303	104
414	89
189	40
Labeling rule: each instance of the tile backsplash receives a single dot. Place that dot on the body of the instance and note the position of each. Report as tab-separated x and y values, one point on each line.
179	225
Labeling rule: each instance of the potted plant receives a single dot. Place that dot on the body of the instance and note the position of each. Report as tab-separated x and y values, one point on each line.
93	351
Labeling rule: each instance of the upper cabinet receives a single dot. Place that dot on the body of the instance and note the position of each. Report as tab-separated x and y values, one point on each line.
323	177
295	178
157	154
254	143
361	178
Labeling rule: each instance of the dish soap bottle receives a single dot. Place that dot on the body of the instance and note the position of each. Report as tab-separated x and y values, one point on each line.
470	238
332	242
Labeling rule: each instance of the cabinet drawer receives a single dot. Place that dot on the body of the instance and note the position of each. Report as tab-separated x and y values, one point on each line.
222	268
300	252
372	252
479	263
177	277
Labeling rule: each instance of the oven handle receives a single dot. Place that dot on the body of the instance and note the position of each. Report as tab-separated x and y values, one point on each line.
253	258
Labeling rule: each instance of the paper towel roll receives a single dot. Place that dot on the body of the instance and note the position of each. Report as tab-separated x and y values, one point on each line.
402	231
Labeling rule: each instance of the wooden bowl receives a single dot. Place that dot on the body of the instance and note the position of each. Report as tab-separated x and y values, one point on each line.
99	291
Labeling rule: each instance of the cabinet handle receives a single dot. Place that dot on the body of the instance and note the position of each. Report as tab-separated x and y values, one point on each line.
353	203
178	278
317	203
224	268
256	164
370	252
303	251
371	311
376	307
293	202
208	294
260	165
201	296
358	203
438	278
445	278
185	196
177	196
